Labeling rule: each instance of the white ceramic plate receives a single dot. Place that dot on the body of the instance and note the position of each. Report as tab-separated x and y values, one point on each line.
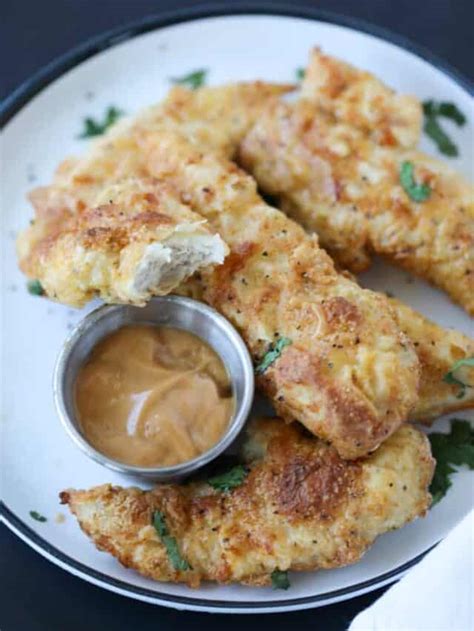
131	69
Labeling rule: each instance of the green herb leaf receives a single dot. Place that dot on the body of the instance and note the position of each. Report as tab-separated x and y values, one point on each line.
193	80
229	480
169	542
300	72
450	377
96	128
446	109
272	355
280	579
436	133
35	288
35	515
432	110
455	448
416	192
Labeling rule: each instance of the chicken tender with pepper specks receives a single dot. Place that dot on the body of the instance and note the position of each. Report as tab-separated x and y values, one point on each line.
100	226
438	349
349	375
344	182
136	240
299	508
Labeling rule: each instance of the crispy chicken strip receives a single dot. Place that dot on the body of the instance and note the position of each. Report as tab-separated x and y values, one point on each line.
438	349
136	240
344	183
300	508
144	242
350	376
359	99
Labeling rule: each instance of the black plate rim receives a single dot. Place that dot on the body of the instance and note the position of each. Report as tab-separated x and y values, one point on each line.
46	75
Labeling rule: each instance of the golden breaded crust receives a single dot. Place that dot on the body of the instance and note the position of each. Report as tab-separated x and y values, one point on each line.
336	181
337	157
300	508
73	248
359	99
135	240
218	117
438	349
350	376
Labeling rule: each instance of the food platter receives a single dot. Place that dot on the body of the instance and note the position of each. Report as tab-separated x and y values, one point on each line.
45	119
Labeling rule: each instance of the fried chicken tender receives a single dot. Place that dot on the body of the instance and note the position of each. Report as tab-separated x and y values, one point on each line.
136	240
350	376
338	178
438	349
144	242
359	99
300	508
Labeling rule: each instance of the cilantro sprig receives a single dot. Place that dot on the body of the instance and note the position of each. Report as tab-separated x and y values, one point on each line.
280	579
193	80
300	73
229	480
444	108
37	516
272	355
451	378
416	192
35	288
432	111
170	543
97	128
450	451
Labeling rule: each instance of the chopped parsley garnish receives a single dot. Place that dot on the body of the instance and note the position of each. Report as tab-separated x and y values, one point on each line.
193	80
96	128
272	355
37	516
280	579
450	377
432	111
300	72
169	542
446	109
455	448
35	288
433	129
416	192
229	480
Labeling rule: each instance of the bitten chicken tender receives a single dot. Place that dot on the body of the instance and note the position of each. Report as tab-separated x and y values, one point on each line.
300	508
338	178
349	375
136	240
438	349
144	242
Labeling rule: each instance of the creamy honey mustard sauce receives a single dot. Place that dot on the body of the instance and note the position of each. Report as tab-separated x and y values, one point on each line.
153	396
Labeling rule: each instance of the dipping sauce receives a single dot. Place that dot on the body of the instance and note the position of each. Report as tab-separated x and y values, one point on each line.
153	396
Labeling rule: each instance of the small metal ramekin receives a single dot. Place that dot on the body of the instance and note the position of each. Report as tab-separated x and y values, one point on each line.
174	311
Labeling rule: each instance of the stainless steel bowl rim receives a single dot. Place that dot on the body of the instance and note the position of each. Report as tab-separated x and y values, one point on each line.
182	469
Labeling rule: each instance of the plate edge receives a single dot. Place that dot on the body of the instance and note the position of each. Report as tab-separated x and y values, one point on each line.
43	77
53	554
